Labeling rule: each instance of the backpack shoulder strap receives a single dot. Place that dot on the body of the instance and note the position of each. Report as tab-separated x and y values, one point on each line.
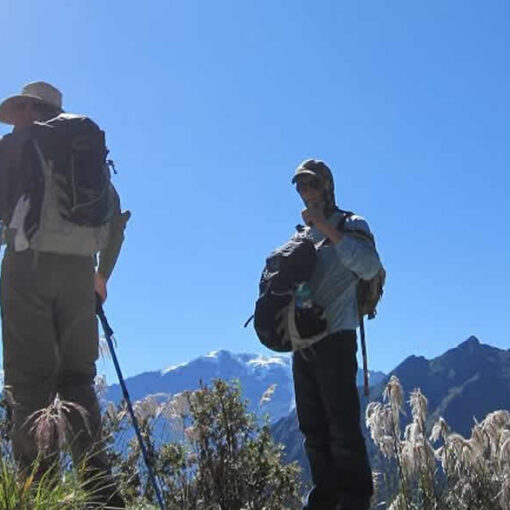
366	236
343	219
340	227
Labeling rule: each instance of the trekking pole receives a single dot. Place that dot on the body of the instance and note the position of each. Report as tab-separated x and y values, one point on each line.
108	332
366	388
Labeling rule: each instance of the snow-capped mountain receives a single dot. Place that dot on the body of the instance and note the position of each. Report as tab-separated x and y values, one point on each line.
256	373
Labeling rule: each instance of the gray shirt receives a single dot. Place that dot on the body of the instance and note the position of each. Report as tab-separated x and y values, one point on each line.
338	268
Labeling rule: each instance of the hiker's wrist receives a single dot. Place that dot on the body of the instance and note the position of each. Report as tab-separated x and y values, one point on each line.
101	276
100	286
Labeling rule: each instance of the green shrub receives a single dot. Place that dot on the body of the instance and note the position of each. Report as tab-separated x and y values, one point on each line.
219	457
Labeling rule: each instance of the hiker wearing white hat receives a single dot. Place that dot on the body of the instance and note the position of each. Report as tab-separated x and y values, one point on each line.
58	210
38	101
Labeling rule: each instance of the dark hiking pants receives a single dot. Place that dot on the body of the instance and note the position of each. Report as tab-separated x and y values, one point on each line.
50	345
328	411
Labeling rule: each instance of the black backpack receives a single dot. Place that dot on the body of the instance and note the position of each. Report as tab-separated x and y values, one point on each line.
77	148
276	320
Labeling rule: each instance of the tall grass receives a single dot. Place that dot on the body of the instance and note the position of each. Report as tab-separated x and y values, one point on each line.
440	470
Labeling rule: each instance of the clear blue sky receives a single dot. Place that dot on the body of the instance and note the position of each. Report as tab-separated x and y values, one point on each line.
209	106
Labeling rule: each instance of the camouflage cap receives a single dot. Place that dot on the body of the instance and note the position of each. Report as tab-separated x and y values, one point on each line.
315	168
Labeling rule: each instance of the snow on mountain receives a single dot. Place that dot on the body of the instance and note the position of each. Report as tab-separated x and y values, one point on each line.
255	373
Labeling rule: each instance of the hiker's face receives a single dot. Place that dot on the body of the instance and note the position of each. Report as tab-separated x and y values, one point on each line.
311	191
28	112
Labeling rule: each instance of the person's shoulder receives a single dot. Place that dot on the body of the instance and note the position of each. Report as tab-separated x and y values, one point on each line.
4	140
358	225
12	136
74	117
356	222
9	141
67	118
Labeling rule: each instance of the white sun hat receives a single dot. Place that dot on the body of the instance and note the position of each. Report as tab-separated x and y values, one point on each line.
40	92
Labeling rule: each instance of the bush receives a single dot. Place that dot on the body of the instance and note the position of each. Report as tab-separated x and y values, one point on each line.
219	456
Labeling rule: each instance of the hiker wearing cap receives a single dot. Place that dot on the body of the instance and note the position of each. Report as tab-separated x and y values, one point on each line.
324	374
49	278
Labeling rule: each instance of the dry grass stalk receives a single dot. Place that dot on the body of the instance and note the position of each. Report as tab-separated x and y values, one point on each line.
267	395
51	426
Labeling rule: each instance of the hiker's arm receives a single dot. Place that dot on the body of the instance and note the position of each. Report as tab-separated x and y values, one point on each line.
4	178
356	251
7	167
109	254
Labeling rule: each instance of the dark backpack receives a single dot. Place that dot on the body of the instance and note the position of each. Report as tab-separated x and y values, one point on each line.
277	322
281	327
77	148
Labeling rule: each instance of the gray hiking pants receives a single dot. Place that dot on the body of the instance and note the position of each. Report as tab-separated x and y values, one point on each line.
50	344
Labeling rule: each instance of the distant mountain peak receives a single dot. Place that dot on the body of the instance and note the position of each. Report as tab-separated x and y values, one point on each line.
468	380
250	360
412	363
218	354
416	359
471	342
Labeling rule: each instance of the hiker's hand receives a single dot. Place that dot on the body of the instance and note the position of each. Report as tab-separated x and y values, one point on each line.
100	286
314	216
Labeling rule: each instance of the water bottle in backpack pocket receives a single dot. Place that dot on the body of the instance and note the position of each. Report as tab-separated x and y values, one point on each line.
309	317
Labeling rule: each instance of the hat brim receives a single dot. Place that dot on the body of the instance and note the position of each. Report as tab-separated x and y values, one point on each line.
8	107
304	171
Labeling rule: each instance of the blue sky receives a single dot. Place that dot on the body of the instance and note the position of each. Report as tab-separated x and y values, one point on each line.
208	108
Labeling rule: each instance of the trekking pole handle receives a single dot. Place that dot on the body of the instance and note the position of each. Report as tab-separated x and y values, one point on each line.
100	313
366	383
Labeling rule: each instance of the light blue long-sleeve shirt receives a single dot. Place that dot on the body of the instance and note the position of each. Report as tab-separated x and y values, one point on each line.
334	280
